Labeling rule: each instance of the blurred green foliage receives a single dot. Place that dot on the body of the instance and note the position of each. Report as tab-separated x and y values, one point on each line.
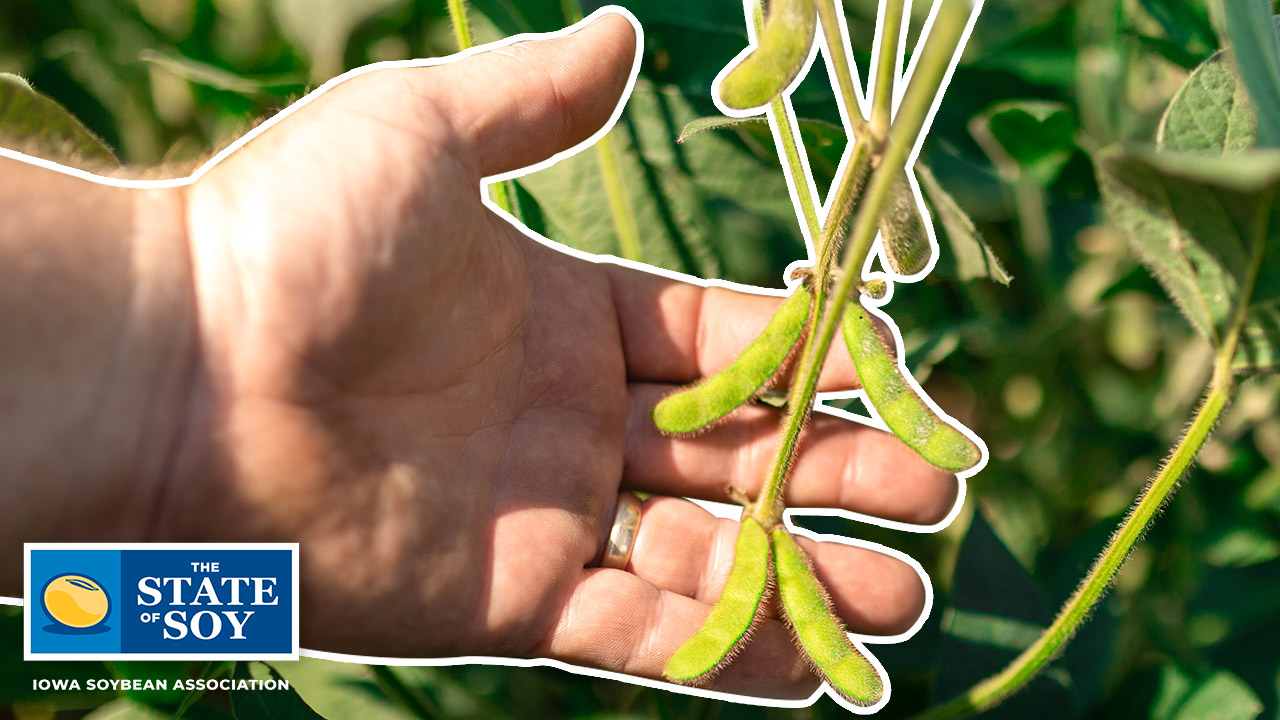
1079	374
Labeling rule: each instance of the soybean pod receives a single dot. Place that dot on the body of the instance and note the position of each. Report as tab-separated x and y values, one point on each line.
905	412
733	615
697	407
780	53
808	610
906	242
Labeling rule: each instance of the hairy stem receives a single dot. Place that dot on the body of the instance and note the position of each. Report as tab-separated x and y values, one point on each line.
886	68
1035	658
624	216
615	187
461	23
829	17
924	90
503	193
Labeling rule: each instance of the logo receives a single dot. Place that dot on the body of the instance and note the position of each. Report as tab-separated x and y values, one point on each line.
161	602
77	603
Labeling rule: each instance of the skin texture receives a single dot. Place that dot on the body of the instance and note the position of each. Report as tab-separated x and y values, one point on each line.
906	414
364	359
783	45
816	626
734	614
693	409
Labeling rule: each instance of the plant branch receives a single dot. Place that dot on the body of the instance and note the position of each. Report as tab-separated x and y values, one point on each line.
461	24
1035	658
829	18
924	90
503	193
624	216
615	187
886	69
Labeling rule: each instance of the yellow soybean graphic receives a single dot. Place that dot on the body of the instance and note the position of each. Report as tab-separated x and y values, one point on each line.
75	601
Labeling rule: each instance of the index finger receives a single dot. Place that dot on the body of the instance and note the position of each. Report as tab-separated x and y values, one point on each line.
677	332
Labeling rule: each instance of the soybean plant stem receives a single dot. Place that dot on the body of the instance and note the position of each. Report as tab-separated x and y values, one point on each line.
891	23
829	17
1035	658
461	23
615	188
926	86
504	192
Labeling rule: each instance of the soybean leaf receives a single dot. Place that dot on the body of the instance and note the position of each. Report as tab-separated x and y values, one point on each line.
340	690
1219	695
126	708
1032	136
1211	112
984	630
1192	219
685	197
971	255
36	123
268	704
1183	20
1257	52
168	671
824	142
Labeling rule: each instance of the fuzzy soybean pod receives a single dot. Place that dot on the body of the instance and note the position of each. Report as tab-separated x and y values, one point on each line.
734	614
820	632
905	412
780	52
906	242
693	409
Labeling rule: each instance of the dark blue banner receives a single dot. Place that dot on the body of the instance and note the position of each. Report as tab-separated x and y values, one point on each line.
161	602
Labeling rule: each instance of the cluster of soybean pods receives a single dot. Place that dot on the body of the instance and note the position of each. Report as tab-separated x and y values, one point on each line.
767	556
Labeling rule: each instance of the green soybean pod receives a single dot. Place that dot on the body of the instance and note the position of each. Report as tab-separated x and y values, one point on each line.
906	241
820	632
693	409
734	614
905	412
780	52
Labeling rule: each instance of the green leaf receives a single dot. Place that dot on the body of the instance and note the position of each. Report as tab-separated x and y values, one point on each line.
682	196
824	142
1191	219
972	256
142	670
984	630
268	704
1035	137
340	690
1210	112
1219	695
126	709
34	123
1257	51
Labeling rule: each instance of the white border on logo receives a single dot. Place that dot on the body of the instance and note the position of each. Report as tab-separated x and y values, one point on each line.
27	616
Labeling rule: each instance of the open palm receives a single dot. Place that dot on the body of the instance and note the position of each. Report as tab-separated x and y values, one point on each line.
443	410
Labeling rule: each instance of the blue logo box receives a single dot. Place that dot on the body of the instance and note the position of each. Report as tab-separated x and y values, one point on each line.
161	601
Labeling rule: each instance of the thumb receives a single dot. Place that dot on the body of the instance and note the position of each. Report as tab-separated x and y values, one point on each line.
519	104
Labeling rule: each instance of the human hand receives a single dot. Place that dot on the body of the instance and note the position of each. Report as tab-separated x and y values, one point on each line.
442	411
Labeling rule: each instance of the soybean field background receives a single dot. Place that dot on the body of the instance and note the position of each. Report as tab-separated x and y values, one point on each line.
1051	341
